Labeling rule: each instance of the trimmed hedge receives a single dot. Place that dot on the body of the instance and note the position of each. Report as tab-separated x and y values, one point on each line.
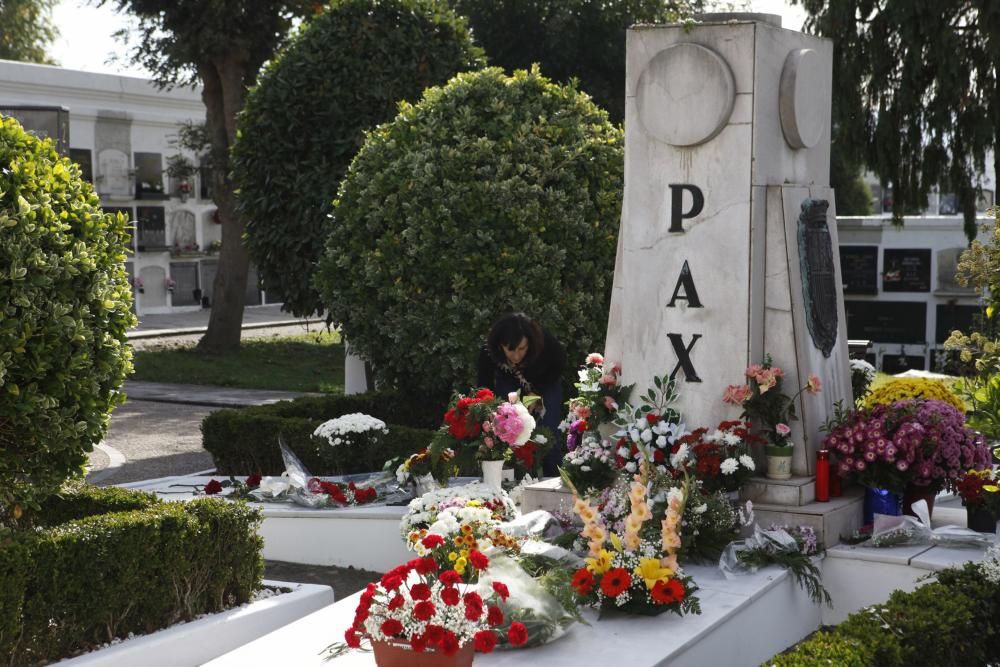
82	583
81	501
950	623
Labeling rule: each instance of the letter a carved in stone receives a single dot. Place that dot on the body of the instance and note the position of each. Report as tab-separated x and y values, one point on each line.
690	294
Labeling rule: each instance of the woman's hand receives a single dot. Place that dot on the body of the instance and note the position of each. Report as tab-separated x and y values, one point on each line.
536	405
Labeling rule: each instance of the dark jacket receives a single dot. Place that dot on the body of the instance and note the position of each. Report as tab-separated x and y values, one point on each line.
544	371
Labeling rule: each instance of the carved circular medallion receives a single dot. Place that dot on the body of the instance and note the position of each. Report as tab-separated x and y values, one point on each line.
685	95
799	99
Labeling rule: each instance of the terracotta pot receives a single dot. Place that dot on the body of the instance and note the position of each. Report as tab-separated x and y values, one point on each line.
915	493
399	654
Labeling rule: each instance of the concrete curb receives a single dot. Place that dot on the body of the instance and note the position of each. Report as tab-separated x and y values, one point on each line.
187	331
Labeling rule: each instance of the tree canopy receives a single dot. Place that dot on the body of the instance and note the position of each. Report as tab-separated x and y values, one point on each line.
222	44
579	39
26	29
915	93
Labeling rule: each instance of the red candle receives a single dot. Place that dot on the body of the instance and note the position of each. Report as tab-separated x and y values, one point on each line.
822	475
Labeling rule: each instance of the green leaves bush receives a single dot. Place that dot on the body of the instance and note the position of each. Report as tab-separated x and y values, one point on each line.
65	308
84	582
493	193
341	75
245	441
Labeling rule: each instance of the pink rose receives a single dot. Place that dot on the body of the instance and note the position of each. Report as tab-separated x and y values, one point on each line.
616	368
783	430
737	394
754	370
609	404
814	385
581	411
608	380
595	358
766	380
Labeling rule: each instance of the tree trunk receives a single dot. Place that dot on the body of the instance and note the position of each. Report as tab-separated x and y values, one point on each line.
223	94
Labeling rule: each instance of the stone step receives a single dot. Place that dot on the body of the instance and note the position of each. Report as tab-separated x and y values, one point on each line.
831	520
796	491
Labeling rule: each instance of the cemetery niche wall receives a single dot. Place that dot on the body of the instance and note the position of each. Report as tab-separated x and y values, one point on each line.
728	246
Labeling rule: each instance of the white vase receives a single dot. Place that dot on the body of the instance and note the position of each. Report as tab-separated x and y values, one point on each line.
492	473
779	462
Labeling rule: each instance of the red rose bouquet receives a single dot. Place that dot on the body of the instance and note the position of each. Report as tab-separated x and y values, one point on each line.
498	430
420	608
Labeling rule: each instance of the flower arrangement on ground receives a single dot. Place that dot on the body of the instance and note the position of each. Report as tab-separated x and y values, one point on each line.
791	547
592	464
764	404
422	608
923	443
721	458
980	489
632	572
483	503
599	395
425	462
497	430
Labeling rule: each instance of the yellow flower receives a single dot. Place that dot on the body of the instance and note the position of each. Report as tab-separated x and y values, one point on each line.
464	553
650	571
466	528
460	565
616	542
452	556
601	563
475	503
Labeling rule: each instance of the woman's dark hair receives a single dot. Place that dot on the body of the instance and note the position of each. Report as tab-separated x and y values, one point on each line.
508	332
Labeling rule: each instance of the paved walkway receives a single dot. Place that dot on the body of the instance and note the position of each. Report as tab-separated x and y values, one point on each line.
193	394
196	321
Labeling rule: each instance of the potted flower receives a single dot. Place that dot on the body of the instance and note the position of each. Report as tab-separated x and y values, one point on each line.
905	451
495	429
770	410
980	493
721	458
418	615
355	431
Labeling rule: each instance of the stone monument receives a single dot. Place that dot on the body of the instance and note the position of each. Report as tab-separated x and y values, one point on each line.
728	242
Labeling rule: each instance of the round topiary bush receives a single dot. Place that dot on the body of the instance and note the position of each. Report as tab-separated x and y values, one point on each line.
492	194
343	74
66	310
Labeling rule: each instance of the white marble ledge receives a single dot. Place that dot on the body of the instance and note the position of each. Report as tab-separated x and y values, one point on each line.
650	640
939	558
900	555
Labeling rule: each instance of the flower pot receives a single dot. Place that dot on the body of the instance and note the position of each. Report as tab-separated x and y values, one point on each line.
880	501
424	483
915	493
399	654
492	473
779	462
980	519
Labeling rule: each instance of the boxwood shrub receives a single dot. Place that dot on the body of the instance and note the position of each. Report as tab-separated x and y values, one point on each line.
340	76
72	586
245	441
65	308
949	623
493	193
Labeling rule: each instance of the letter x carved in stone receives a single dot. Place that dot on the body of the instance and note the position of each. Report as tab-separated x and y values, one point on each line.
684	356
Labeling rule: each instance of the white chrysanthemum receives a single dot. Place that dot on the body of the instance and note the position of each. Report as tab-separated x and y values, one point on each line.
714	436
677	459
729	466
747	462
731	439
334	430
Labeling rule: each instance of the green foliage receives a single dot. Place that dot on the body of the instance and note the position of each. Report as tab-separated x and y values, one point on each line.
66	308
824	648
970	582
357	60
854	197
245	441
569	39
87	581
916	105
26	28
491	194
78	501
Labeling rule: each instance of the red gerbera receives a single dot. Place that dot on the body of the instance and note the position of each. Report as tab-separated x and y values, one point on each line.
583	581
485	395
667	592
485	641
517	634
615	582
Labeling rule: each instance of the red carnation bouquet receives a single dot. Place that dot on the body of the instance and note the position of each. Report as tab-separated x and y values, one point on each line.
416	607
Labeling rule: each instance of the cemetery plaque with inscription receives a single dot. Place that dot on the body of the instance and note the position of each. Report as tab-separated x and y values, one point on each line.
859	268
906	270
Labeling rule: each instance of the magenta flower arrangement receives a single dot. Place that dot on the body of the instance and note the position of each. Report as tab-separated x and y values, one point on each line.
922	443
